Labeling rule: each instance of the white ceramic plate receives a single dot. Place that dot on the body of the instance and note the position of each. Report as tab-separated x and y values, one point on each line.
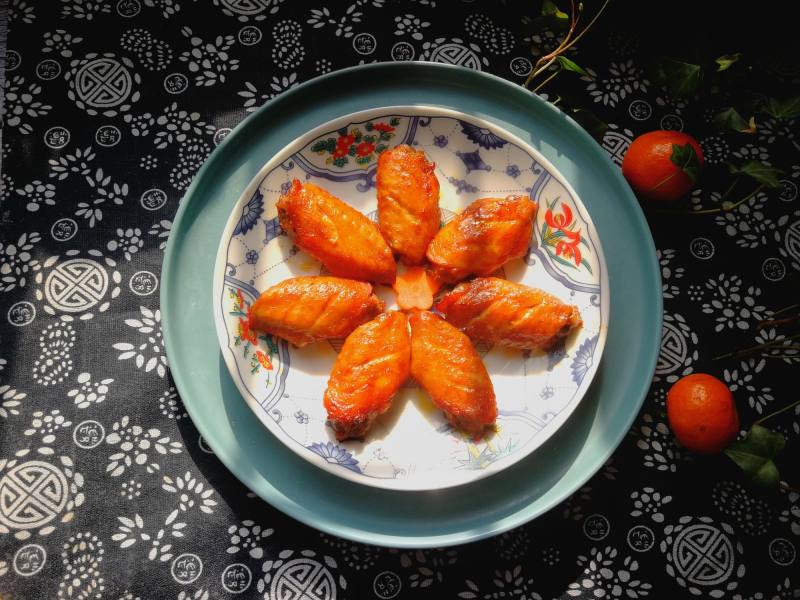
411	447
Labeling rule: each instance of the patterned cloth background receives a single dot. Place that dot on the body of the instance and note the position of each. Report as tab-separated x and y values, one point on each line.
106	489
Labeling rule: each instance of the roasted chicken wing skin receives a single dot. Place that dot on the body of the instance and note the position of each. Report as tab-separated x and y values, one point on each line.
408	201
336	234
486	235
447	366
374	362
303	310
501	312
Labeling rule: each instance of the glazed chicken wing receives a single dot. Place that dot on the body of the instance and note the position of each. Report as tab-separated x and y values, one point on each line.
486	235
408	201
374	362
308	309
501	312
447	366
336	234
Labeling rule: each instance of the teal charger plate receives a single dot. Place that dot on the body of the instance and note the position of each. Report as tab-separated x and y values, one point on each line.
384	517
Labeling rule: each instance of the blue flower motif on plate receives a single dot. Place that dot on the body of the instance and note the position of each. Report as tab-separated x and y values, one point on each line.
462	185
513	171
285	187
473	161
440	141
251	257
584	359
272	230
335	455
482	136
251	213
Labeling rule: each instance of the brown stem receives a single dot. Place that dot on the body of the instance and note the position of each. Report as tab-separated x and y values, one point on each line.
777	412
541	85
789	488
785	309
711	211
777	322
545	61
585	29
752	350
730	188
663	181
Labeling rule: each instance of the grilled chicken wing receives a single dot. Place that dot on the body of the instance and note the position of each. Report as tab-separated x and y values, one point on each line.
408	202
336	234
447	366
501	312
486	235
374	362
308	309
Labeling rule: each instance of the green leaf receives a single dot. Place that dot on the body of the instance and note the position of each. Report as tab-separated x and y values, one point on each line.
754	455
686	159
759	171
569	65
680	78
726	61
549	9
590	123
730	120
783	109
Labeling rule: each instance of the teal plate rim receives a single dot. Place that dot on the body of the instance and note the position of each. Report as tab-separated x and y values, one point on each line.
375	516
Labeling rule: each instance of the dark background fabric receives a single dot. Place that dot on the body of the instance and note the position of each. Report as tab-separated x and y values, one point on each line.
107	490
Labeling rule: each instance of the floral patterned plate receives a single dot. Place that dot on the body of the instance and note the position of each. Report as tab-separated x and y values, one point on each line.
412	447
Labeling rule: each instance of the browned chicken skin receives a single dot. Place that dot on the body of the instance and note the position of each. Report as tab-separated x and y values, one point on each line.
486	235
501	312
447	366
408	201
374	362
336	234
303	310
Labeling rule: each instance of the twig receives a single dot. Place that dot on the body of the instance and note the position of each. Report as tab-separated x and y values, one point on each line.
547	60
777	412
541	85
789	488
710	211
777	322
745	351
785	309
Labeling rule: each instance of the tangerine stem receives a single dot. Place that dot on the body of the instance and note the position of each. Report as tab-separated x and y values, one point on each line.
746	351
785	309
790	488
777	412
730	188
538	87
777	322
585	29
711	211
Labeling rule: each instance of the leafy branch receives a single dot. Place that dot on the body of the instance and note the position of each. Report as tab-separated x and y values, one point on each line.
552	14
755	454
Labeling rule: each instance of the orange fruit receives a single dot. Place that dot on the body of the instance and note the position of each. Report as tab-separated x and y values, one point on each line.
649	169
702	414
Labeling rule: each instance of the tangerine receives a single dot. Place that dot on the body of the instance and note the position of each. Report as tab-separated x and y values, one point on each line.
702	414
649	168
